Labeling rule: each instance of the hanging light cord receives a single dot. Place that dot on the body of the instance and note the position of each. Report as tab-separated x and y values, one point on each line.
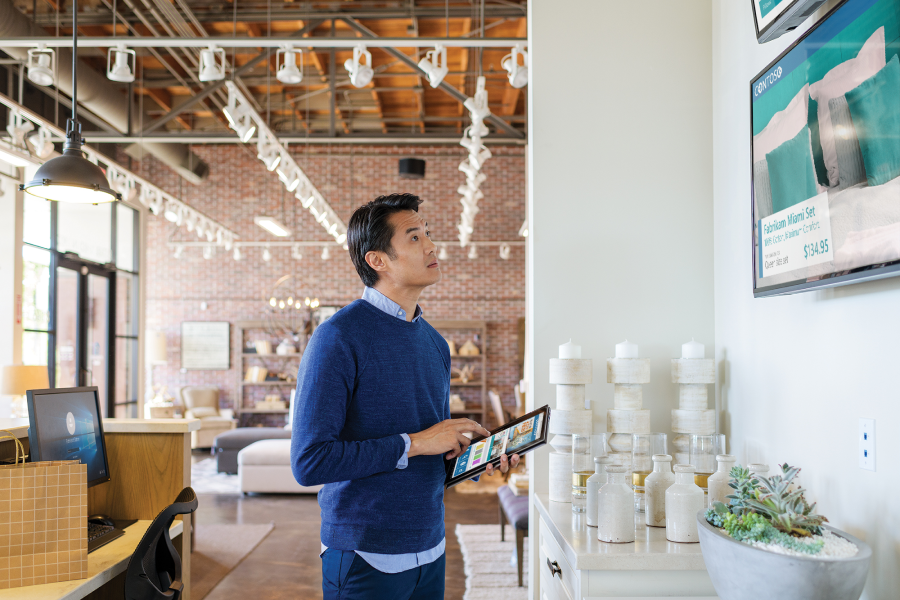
71	134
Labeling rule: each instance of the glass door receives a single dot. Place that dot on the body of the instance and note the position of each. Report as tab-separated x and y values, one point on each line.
83	308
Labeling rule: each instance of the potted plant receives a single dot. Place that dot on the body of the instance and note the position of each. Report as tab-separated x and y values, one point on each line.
770	543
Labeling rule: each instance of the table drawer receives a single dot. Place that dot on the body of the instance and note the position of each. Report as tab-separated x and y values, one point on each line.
552	587
554	564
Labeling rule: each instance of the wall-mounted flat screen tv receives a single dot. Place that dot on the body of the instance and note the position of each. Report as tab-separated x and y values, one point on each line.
774	18
825	118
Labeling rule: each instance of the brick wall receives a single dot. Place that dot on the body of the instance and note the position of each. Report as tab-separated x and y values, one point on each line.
239	188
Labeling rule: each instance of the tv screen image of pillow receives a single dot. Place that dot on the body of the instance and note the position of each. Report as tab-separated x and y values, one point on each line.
825	122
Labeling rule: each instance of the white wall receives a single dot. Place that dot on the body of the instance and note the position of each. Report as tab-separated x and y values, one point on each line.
797	372
620	145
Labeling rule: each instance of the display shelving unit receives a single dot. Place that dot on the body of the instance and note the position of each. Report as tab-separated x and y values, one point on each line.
458	329
271	361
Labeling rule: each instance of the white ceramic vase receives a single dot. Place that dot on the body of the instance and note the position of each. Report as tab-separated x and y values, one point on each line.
615	521
684	499
717	484
594	483
655	486
758	469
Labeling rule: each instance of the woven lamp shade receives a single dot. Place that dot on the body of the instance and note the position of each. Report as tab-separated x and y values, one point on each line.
18	379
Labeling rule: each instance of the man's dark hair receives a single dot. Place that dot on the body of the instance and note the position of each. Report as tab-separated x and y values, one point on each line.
370	230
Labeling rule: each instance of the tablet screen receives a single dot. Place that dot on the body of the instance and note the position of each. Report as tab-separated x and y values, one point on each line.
507	441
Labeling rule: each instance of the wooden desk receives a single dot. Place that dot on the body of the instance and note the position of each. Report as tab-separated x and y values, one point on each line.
106	565
149	464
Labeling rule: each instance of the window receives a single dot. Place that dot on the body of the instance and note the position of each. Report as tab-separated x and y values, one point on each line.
80	313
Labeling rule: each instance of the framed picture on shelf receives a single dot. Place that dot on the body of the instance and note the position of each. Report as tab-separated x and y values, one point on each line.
323	313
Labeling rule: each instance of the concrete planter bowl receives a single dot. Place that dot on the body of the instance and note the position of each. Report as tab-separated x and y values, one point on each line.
741	572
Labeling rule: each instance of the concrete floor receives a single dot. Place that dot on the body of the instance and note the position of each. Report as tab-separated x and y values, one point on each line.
286	565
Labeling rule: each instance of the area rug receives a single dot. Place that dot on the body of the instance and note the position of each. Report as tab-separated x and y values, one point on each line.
220	548
490	564
205	479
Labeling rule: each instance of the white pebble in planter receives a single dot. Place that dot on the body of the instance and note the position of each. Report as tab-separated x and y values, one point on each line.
684	500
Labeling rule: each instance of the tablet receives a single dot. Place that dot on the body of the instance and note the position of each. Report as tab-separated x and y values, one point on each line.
516	437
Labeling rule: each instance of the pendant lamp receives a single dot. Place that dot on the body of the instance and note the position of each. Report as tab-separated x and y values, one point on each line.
72	177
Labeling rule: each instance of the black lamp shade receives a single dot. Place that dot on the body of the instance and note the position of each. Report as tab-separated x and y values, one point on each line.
412	168
71	178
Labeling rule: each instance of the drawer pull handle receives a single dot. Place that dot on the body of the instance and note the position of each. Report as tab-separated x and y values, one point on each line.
554	568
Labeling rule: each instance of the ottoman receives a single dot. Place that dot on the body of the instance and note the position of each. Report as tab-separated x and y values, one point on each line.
227	445
265	467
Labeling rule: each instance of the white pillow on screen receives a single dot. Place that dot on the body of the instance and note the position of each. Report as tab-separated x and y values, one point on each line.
783	126
837	82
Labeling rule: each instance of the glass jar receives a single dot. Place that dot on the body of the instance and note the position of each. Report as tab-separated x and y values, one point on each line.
684	499
615	522
582	469
718	488
704	449
655	487
643	447
594	483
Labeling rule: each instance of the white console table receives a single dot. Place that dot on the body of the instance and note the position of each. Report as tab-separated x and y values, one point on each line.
574	565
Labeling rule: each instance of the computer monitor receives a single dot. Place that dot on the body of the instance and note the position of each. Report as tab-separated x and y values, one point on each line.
64	424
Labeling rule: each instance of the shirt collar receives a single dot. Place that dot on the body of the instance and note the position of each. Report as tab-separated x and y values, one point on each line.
386	305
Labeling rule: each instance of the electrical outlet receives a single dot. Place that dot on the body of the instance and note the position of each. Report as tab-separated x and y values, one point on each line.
867	444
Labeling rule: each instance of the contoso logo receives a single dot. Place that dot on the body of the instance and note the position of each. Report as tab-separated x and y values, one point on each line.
767	81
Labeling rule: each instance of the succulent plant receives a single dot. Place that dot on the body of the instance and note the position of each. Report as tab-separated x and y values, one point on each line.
744	487
753	527
782	503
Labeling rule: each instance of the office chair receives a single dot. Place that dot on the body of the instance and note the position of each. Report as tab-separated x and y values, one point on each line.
154	571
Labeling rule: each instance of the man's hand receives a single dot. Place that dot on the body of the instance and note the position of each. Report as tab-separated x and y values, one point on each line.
504	464
447	436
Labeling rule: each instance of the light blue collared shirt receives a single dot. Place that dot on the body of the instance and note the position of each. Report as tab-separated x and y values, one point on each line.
397	563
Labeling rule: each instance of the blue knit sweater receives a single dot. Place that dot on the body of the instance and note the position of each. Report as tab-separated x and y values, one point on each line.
365	378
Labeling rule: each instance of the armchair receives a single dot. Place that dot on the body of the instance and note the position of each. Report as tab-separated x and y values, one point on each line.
201	402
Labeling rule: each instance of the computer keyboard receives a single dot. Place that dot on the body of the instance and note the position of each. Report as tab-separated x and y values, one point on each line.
96	531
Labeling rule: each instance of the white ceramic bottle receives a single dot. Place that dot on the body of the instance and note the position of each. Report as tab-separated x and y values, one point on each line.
594	483
655	487
758	469
717	484
684	499
615	521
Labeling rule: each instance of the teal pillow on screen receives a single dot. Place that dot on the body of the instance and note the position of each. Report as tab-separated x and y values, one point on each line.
818	157
791	175
875	108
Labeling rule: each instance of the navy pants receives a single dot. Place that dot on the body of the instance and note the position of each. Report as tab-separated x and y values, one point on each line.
346	576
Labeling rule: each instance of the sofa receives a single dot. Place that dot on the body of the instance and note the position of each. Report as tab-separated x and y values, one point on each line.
227	445
202	402
265	467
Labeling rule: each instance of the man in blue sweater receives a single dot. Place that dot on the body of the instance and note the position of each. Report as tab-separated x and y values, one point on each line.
372	417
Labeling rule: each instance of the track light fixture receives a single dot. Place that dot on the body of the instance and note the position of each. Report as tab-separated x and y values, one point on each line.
267	256
326	253
442	253
505	251
341	238
473	251
208	252
518	75
173	213
288	71
476	159
237	253
360	74
435	65
295	253
179	250
18	127
212	64
268	153
41	146
523	230
478	104
123	69
40	66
